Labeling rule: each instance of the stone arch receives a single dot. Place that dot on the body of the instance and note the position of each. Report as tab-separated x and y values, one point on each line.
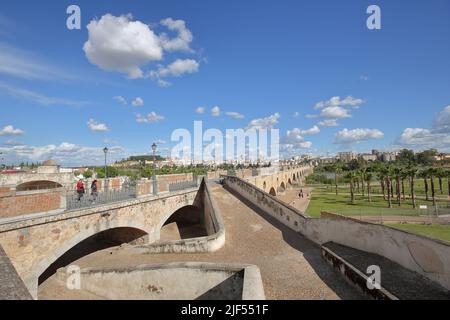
85	242
186	222
289	181
283	185
273	192
38	185
264	186
294	177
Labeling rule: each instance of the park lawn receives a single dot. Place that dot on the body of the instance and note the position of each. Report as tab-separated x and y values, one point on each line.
419	187
436	231
324	200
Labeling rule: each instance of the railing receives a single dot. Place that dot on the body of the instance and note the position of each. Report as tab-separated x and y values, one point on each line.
87	199
181	185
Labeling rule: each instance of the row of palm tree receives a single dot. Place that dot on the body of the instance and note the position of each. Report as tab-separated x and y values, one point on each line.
392	179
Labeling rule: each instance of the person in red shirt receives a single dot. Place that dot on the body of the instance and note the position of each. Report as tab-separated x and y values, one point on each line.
80	189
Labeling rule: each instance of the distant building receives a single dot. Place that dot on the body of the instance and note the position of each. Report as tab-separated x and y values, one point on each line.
368	156
346	156
387	156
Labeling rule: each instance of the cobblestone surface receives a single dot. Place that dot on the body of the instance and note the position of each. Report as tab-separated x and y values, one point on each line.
291	266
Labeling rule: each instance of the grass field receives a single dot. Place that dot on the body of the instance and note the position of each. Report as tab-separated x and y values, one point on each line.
325	200
419	187
436	231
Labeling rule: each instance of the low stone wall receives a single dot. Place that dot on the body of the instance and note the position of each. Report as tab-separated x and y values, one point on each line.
18	203
173	281
427	256
11	285
213	224
281	211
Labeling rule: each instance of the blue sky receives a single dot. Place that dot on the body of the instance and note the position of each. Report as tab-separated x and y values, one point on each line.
265	60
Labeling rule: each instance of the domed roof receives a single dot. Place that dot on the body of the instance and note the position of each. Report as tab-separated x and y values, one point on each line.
49	163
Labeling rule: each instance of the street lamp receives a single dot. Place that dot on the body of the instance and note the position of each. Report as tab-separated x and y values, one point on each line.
105	151
155	191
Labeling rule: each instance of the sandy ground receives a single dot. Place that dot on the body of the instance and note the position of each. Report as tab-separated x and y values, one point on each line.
291	266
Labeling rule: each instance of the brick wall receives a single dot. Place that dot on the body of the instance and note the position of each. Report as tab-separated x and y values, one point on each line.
29	202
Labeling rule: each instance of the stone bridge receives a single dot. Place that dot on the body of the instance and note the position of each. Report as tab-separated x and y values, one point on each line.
38	244
34	244
278	181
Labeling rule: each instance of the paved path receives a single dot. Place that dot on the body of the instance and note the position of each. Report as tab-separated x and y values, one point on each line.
291	266
291	196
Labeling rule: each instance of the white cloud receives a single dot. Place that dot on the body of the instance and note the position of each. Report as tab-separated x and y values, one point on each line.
13	143
235	115
364	77
294	139
123	45
357	135
10	131
335	113
176	69
264	123
138	102
328	123
94	126
215	111
296	114
338	102
183	39
200	110
120	100
311	131
438	136
66	153
160	141
38	98
149	118
441	122
22	64
120	44
425	139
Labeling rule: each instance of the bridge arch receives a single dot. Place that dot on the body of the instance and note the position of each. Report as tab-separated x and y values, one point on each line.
51	258
273	192
186	222
38	185
283	185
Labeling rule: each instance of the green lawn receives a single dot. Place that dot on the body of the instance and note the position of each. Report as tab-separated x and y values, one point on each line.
325	200
419	187
437	231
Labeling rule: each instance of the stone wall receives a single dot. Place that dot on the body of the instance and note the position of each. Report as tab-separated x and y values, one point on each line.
427	256
11	285
212	220
27	202
33	244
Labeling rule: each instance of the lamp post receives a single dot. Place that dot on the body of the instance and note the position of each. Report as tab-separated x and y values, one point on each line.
105	151
155	187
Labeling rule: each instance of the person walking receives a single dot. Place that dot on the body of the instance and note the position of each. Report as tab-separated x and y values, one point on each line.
94	191
80	189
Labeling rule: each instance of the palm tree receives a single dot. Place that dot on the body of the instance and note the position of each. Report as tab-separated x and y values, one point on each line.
432	174
397	171
440	173
337	167
424	175
368	178
351	175
382	178
412	172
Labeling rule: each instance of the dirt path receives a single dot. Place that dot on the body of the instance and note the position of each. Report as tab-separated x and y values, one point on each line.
291	266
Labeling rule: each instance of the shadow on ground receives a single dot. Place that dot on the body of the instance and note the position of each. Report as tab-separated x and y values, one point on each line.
310	251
